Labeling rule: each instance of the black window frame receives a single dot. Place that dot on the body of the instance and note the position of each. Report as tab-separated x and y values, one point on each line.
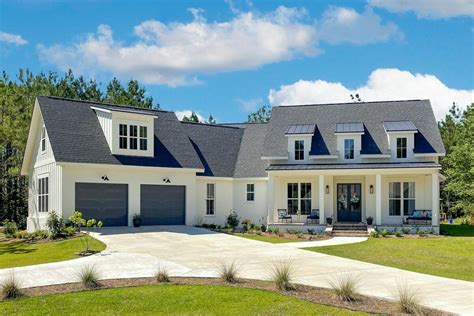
402	152
133	137
349	152
143	135
43	194
210	199
250	192
299	149
123	136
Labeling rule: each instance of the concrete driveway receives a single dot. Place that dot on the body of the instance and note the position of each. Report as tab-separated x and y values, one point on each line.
189	251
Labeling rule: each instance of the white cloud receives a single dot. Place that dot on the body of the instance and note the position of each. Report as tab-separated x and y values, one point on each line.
181	114
382	84
12	39
173	53
250	105
340	24
428	9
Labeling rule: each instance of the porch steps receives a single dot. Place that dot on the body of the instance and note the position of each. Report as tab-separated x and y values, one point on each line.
349	229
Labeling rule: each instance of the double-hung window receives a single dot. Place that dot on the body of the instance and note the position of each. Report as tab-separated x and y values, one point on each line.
305	189
43	192
348	148
250	192
299	150
143	138
123	136
43	139
133	137
292	198
299	198
401	202
401	147
210	199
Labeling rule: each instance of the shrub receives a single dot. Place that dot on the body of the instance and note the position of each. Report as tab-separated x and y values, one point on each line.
263	228
77	220
229	272
9	228
162	275
212	226
10	288
69	231
292	231
465	220
89	277
300	235
22	234
408	300
406	231
55	225
420	232
398	233
282	276
345	286
40	234
311	231
232	220
374	234
384	233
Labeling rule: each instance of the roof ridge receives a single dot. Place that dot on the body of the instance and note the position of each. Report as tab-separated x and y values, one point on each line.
346	103
103	103
207	124
244	123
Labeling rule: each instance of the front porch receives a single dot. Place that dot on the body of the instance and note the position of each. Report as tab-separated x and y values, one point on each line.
392	198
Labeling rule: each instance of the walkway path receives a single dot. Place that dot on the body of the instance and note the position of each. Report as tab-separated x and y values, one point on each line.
189	251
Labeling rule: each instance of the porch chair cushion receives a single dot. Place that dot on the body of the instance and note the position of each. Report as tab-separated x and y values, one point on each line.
314	214
283	214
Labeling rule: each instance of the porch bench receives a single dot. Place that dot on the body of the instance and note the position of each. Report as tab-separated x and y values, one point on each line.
420	216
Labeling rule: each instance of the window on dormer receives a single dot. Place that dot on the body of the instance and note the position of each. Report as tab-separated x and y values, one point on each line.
43	139
348	148
143	138
299	150
123	136
401	147
133	137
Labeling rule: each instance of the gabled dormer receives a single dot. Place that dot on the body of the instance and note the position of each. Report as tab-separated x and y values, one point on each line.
299	138
349	140
401	139
127	133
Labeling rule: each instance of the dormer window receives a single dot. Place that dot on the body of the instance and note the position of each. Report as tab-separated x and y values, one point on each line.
349	148
299	150
133	137
123	136
143	138
401	147
43	139
129	137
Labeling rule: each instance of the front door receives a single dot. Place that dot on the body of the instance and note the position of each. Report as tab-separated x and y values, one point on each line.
349	202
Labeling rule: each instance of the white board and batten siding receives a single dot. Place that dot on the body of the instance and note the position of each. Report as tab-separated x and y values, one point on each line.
105	121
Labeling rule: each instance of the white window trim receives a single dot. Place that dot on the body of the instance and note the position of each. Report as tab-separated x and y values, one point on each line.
210	199
43	139
406	147
247	192
298	150
299	199
401	198
39	195
129	137
344	149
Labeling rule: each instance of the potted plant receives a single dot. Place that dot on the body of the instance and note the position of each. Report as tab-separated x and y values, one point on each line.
329	220
137	220
370	220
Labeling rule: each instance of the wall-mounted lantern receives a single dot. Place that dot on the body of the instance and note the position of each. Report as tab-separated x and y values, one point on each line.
371	189
105	178
166	180
327	189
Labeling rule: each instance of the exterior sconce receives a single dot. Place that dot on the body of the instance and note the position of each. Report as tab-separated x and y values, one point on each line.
371	189
166	180
105	178
327	189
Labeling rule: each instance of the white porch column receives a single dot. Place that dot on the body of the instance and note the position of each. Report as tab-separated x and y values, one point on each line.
270	197
378	199
321	200
435	197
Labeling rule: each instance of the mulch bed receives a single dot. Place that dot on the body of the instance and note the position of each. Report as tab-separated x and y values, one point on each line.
308	293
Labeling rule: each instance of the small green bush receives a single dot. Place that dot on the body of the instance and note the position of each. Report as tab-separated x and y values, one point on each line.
232	220
10	288
263	228
311	231
89	277
408	300
345	286
374	234
69	231
229	272
9	228
22	234
282	276
55	225
465	220
406	231
40	234
384	233
398	233
292	231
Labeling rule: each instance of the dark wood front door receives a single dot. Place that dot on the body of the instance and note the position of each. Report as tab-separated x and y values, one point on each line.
349	201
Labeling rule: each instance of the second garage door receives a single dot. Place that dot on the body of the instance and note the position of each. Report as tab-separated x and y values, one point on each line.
162	204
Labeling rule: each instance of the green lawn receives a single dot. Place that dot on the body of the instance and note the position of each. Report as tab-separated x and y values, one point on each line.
451	257
457	230
23	253
169	299
273	240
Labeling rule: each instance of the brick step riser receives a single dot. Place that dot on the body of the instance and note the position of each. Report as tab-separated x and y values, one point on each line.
348	235
350	228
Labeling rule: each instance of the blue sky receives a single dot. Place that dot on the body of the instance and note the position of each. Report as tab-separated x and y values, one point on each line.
225	58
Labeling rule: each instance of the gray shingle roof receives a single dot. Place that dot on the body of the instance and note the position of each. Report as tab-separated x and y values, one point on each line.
349	128
76	136
300	129
371	114
249	162
216	146
335	166
399	126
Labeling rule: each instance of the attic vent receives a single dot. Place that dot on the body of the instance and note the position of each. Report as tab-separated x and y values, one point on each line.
298	129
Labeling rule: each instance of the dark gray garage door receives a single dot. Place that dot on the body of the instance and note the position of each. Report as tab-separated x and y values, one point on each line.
162	204
103	201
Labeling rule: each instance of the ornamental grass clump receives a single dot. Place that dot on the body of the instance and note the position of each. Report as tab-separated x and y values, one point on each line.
89	277
408	300
282	276
162	275
10	288
229	272
345	286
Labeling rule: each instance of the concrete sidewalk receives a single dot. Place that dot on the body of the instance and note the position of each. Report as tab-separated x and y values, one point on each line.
189	251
